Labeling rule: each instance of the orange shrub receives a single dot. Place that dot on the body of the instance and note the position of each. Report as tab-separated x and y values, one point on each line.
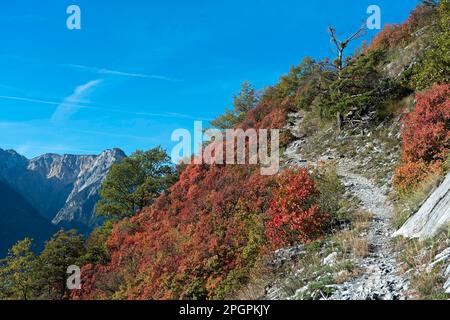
409	175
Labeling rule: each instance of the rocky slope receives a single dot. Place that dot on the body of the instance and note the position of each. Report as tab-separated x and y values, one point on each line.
62	188
380	279
357	260
433	216
378	275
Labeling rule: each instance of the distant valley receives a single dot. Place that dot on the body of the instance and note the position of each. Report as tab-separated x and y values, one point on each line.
49	192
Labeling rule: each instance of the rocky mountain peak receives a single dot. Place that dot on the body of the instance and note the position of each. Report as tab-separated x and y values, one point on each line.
62	188
62	167
10	159
80	204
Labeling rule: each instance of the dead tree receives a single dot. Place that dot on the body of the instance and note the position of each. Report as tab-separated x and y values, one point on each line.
342	45
430	3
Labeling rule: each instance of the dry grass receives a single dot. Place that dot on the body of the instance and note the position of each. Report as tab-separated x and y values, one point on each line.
428	285
446	164
407	205
362	221
316	276
352	240
253	291
331	188
259	279
343	276
352	243
416	256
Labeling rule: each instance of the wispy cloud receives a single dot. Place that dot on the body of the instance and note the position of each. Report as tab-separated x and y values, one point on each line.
104	71
21	18
82	105
70	105
31	100
92	69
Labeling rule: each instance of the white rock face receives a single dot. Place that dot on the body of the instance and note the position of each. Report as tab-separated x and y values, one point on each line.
92	171
330	260
431	217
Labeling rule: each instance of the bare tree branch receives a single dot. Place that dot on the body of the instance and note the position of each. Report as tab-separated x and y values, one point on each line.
342	45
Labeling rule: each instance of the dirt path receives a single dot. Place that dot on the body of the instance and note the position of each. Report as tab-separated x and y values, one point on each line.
380	278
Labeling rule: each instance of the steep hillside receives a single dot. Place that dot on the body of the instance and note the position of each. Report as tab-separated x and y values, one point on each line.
200	240
213	234
360	139
18	219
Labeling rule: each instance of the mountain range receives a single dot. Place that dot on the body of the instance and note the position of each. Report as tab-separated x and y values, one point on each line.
49	192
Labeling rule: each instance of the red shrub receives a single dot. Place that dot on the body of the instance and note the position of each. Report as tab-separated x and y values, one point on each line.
265	116
426	131
394	35
188	242
426	138
203	237
200	239
294	215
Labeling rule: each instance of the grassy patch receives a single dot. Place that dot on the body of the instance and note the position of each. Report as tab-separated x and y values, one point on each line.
429	285
416	257
351	241
311	278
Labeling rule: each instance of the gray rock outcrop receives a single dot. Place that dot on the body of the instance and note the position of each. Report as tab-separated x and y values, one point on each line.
432	217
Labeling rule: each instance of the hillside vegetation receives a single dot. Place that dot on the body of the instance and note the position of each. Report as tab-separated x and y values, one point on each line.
219	230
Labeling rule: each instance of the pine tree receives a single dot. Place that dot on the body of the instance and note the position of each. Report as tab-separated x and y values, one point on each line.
61	251
16	272
243	102
135	183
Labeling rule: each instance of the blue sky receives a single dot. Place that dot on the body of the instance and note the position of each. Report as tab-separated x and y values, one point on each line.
139	69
